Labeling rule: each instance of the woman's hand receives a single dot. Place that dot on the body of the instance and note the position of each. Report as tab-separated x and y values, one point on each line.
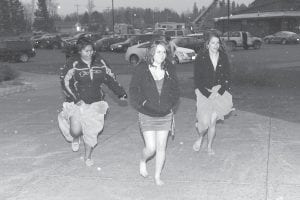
214	95
123	98
79	103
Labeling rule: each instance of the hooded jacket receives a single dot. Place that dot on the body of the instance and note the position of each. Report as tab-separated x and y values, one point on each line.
143	93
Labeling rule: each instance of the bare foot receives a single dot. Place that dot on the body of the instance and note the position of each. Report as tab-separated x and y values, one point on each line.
210	151
89	162
197	144
143	169
158	181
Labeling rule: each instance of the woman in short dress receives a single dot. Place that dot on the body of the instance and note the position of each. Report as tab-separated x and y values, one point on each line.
84	109
154	93
212	83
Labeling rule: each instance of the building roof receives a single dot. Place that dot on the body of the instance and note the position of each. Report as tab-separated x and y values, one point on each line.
277	14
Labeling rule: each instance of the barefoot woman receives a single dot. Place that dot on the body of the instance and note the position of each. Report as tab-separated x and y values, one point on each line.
212	82
154	92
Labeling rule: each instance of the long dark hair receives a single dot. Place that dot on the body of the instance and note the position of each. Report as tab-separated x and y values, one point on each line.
83	42
208	36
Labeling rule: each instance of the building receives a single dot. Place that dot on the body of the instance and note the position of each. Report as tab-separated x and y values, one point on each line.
68	27
123	29
169	26
264	17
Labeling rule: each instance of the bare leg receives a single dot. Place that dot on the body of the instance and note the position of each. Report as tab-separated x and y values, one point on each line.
211	134
76	132
202	132
198	142
161	143
148	151
88	155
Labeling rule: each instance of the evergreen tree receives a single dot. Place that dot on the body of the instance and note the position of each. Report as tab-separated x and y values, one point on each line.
42	21
18	23
195	10
5	25
85	19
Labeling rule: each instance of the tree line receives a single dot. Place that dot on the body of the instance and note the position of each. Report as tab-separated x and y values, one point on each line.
13	20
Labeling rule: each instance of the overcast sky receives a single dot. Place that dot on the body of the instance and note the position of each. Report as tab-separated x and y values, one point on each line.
68	6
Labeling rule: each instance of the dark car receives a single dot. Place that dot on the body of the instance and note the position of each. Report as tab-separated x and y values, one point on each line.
16	50
71	40
135	39
189	42
282	37
47	41
104	43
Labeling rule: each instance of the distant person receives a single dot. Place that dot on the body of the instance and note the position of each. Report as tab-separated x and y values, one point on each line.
84	110
245	40
171	48
154	93
212	83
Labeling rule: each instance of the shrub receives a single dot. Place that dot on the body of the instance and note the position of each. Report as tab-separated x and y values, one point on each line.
7	73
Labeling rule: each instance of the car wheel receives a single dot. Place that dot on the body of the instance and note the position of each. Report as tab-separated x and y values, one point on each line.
231	45
267	41
55	46
256	45
24	58
134	59
176	59
283	41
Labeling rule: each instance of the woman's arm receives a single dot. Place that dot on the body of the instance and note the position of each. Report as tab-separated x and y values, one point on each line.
112	83
137	98
66	80
201	75
226	79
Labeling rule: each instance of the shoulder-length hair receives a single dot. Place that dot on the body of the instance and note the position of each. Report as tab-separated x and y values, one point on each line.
151	52
208	36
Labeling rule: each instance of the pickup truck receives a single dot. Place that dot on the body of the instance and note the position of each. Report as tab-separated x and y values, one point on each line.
243	39
16	50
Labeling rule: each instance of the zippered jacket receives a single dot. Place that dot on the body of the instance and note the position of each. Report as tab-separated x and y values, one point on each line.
82	82
143	93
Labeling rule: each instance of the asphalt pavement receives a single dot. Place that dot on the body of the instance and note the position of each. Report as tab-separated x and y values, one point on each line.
257	157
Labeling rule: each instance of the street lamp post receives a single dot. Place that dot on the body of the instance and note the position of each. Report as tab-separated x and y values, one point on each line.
113	16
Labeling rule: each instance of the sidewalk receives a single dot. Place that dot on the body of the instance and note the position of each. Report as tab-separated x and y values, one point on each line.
257	158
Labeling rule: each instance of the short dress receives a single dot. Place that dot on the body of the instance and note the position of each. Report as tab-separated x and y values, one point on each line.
148	123
221	106
91	117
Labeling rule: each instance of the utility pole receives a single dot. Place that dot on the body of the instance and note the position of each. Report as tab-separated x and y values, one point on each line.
113	16
228	16
77	5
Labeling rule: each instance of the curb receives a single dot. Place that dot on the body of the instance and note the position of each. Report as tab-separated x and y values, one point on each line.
11	89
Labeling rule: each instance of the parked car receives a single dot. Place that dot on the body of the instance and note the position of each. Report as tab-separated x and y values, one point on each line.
282	37
135	39
135	54
104	43
16	50
189	42
236	39
47	41
199	36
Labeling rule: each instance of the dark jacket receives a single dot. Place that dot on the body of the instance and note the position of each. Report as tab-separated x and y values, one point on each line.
85	83
205	77
143	93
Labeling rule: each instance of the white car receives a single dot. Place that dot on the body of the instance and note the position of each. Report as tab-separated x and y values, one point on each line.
135	54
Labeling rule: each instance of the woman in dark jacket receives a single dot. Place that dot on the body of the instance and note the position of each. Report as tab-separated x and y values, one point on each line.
84	109
154	92
212	83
